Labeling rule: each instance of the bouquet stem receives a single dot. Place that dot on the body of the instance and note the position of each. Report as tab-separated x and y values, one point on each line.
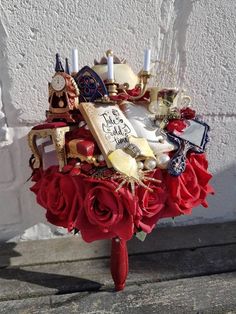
119	263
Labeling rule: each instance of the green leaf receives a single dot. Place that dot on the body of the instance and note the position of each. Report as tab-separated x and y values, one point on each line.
141	235
75	230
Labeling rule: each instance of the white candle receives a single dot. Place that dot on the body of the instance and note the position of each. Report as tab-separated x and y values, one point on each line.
147	60
75	61
110	70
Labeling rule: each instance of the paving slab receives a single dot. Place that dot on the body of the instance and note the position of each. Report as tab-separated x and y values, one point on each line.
74	248
206	294
94	275
176	270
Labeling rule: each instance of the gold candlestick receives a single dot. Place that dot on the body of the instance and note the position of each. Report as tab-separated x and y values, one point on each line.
111	87
144	77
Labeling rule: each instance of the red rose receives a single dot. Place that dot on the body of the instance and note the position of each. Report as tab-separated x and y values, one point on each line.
189	189
200	165
67	168
106	214
60	194
151	203
36	174
187	113
176	125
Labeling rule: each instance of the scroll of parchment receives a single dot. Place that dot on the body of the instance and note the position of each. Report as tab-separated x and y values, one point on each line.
108	125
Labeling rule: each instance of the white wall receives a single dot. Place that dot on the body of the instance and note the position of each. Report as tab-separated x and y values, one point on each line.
196	37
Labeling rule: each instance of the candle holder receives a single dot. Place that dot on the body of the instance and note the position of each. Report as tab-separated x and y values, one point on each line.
111	87
144	77
105	100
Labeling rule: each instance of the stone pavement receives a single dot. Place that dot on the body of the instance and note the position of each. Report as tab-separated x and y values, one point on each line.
175	270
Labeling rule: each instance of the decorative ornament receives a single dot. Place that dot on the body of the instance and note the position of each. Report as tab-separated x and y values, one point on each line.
193	138
163	161
150	164
132	181
63	96
90	85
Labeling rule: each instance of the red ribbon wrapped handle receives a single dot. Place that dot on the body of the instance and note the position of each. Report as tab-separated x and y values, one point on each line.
119	263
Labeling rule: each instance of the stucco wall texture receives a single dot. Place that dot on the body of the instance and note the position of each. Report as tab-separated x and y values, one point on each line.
196	37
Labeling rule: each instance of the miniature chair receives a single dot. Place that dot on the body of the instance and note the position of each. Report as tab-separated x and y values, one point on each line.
56	131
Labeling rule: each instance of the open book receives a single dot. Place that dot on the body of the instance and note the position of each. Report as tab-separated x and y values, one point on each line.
108	125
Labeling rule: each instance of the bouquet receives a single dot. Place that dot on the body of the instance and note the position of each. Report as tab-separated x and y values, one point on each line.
114	155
